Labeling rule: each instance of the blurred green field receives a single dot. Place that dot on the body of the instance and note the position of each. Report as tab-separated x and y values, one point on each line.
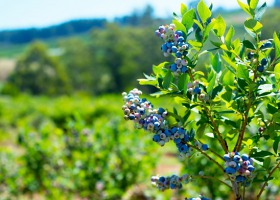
79	146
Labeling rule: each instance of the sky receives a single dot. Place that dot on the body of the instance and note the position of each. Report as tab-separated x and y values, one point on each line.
39	13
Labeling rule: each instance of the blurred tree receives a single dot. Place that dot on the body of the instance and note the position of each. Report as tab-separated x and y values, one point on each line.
38	73
270	22
78	64
122	55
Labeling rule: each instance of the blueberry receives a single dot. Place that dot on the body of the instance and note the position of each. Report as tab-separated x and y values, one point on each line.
184	69
156	138
173	67
204	147
186	138
263	61
173	129
161	179
172	186
177	140
250	55
245	157
266	45
169	44
261	68
179	33
240	178
184	148
167	133
230	170
160	111
181	39
174	49
164	47
236	158
226	157
251	168
178	54
197	90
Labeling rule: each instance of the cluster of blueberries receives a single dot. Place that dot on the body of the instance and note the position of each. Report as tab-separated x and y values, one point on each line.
169	182
262	64
194	89
153	120
239	167
198	198
174	43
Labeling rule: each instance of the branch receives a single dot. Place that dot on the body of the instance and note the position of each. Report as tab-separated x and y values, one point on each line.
205	154
265	183
215	129
210	177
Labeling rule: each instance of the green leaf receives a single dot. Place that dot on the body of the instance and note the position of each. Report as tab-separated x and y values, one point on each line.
216	62
229	36
266	162
179	26
277	75
216	90
195	43
245	8
157	69
228	78
260	11
242	72
167	80
211	83
227	96
188	18
208	28
220	26
147	82
253	4
232	66
249	44
198	24
203	11
276	144
184	9
261	154
276	44
182	83
253	26
217	44
271	108
200	131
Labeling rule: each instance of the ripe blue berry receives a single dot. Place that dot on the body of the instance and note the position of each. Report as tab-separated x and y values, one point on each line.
260	68
197	90
204	147
250	55
245	157
263	61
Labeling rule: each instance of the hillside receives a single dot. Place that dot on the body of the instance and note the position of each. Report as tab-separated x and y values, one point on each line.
73	27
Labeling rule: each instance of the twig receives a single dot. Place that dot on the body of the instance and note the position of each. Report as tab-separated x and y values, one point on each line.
205	154
269	175
210	177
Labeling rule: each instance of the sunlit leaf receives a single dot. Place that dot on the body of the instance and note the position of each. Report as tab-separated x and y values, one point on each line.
188	18
184	8
220	26
203	11
253	26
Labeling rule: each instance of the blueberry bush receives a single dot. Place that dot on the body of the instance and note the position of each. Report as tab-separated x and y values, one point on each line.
230	105
69	148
